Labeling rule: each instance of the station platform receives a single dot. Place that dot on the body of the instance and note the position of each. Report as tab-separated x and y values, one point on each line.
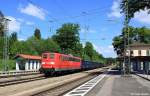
146	76
112	83
115	84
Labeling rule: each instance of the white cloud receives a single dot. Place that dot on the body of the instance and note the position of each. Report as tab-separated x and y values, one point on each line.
97	48
142	16
106	51
115	9
110	47
25	22
29	23
20	20
14	24
21	39
33	10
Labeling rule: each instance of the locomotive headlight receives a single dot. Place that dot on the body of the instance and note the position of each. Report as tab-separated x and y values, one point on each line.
52	63
43	62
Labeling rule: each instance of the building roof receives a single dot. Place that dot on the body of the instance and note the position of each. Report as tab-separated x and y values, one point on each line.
136	44
25	56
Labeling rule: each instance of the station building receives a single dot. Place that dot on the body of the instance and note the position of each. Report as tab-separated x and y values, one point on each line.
139	57
27	62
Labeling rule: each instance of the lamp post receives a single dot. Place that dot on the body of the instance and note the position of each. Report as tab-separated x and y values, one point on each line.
6	44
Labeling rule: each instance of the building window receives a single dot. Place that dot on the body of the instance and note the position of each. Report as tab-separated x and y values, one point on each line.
139	52
33	65
149	65
29	65
147	52
131	53
36	64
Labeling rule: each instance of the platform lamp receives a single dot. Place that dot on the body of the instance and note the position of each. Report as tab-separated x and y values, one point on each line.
6	43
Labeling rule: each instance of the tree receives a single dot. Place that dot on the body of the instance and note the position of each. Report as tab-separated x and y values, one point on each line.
141	35
67	37
37	33
34	46
118	44
1	46
1	24
134	6
13	37
110	61
12	40
91	54
89	50
78	50
51	46
97	57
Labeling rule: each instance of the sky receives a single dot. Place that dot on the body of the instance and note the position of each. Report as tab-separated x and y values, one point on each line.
100	20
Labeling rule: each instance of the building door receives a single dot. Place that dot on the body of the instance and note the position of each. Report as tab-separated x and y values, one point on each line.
21	64
134	66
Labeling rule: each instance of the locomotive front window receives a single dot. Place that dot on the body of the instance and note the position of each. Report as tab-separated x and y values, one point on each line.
52	56
45	56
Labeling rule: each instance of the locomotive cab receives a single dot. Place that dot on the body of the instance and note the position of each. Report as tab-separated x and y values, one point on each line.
48	62
48	59
56	63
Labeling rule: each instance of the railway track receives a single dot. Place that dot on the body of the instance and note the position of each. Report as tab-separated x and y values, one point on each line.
7	74
12	79
52	85
20	79
65	87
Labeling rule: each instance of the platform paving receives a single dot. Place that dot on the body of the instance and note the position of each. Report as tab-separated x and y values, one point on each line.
117	85
146	76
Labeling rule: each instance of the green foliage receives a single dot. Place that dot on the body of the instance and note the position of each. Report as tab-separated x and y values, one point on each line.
144	35
134	6
118	44
66	40
37	33
1	46
78	50
13	37
67	37
11	65
110	61
141	35
51	46
1	24
34	46
89	49
98	57
91	54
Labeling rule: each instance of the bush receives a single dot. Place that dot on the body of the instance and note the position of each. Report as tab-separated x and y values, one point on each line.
11	65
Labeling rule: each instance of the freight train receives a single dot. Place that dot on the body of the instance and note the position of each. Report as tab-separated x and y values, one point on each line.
52	63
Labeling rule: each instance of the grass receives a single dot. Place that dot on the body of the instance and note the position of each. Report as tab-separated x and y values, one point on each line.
11	65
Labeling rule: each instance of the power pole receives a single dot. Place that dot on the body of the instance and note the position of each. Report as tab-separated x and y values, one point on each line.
86	30
6	44
126	62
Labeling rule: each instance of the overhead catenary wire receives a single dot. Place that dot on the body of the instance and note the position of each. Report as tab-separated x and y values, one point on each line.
48	14
82	14
88	12
62	8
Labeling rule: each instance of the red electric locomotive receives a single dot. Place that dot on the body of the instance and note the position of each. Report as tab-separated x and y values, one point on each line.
56	62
